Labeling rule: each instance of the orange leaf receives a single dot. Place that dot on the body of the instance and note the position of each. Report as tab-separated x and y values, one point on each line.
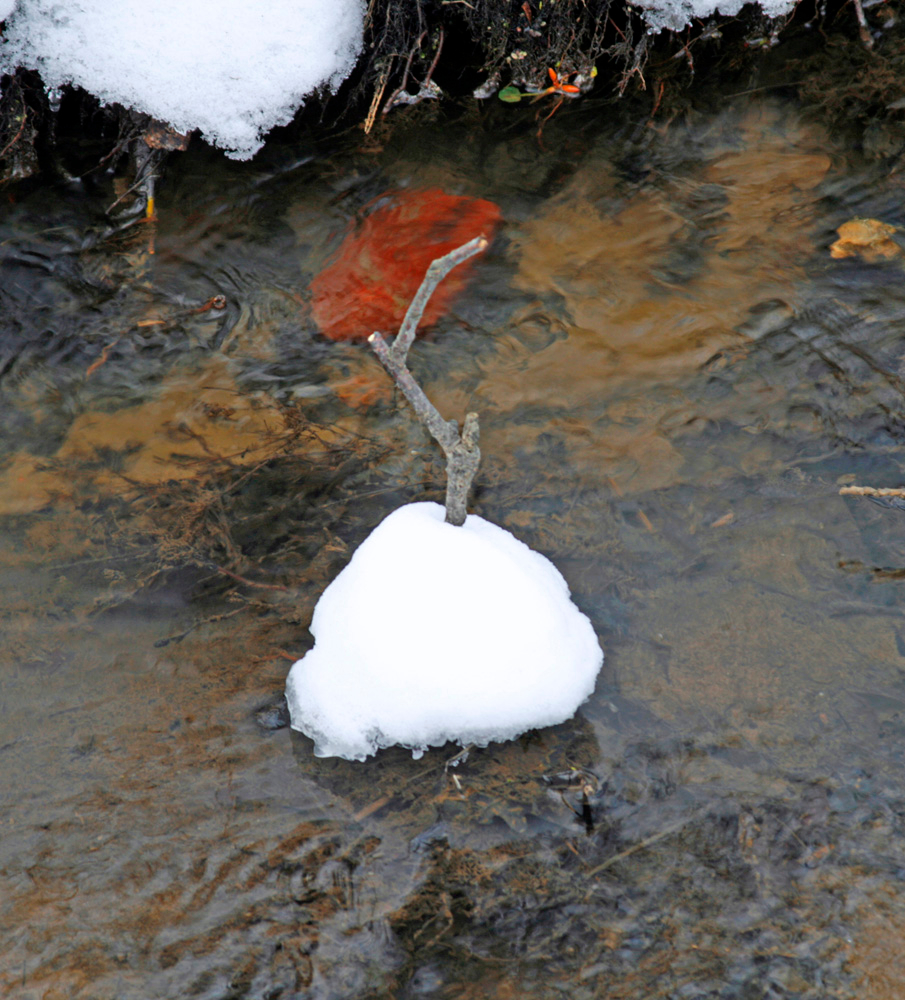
867	238
382	261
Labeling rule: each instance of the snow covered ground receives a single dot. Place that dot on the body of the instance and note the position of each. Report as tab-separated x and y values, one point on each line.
232	68
435	633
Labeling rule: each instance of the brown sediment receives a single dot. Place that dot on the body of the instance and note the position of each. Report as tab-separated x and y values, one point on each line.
876	958
626	322
195	421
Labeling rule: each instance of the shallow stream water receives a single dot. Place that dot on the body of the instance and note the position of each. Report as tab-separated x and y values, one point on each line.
674	379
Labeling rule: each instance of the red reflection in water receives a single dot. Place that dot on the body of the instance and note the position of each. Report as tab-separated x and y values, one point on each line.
381	263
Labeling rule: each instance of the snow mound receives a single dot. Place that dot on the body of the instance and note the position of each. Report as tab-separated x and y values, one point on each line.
232	68
435	633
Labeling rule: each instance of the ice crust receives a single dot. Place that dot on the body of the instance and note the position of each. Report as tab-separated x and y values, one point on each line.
435	633
675	14
232	68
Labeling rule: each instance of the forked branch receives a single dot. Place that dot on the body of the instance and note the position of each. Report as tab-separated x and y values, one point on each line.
462	452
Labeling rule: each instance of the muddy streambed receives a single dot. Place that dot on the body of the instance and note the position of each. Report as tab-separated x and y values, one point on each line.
675	378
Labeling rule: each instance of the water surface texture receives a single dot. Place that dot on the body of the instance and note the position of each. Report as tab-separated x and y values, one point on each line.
674	379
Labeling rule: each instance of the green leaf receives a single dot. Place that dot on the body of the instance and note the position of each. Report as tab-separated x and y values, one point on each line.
510	95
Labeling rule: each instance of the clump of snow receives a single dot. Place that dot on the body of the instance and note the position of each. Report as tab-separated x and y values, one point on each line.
675	14
6	8
435	633
232	68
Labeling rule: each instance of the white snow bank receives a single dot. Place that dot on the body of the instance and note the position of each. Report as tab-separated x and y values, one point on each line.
232	68
435	633
675	14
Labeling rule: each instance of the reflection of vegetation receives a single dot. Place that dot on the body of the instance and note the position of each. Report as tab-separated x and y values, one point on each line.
741	891
260	529
204	507
503	786
860	89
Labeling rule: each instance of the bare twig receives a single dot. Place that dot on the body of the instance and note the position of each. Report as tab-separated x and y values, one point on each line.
378	95
436	59
863	29
12	142
132	187
146	162
446	434
435	274
462	452
405	75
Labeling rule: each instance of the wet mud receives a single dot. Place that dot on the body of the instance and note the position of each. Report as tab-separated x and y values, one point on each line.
675	377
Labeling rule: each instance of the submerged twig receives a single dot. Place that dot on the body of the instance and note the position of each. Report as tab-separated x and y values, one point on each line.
871	491
462	452
247	582
179	636
642	845
884	496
